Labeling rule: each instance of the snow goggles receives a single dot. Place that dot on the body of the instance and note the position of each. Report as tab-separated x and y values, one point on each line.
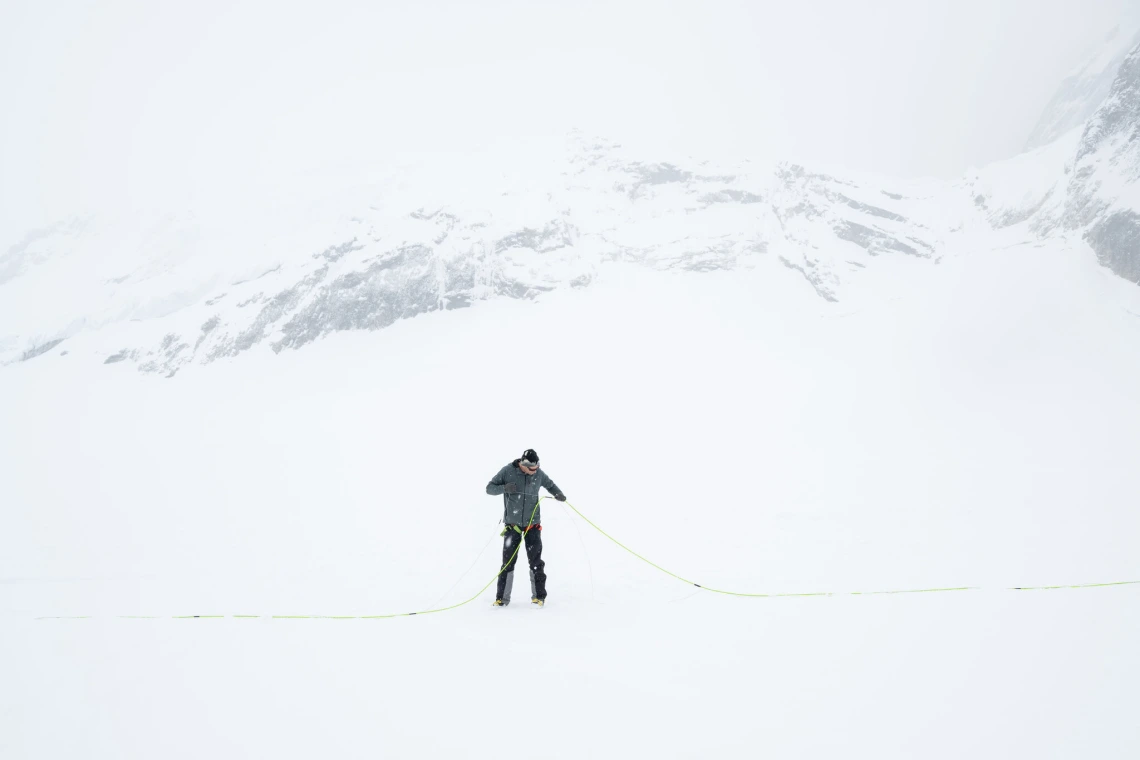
531	465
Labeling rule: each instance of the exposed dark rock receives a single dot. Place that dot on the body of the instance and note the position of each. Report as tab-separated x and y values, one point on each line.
277	308
208	327
1116	241
876	241
552	236
813	279
731	196
335	252
1119	116
867	209
41	349
402	285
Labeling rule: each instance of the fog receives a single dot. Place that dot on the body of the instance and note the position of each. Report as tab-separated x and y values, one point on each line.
112	105
848	450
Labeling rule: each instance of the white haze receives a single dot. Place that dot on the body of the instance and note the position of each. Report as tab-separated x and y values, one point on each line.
116	105
767	379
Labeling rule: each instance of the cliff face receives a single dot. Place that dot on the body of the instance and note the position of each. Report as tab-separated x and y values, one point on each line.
1103	196
1083	91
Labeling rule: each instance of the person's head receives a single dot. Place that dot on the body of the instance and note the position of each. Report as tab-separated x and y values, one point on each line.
529	462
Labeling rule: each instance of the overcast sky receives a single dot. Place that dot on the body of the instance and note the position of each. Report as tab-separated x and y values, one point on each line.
110	103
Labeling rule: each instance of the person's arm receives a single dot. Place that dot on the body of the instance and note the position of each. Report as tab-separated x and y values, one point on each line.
499	486
549	485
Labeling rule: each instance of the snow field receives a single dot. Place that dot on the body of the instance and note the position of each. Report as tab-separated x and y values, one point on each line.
973	424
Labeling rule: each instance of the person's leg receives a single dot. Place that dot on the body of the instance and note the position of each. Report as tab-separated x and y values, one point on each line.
537	566
510	556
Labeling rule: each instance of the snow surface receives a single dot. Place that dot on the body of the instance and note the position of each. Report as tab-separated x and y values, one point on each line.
973	422
766	379
1012	191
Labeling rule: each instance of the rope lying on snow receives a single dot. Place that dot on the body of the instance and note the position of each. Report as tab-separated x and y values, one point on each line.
623	546
835	593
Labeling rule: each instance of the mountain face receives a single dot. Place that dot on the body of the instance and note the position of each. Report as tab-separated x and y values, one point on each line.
164	291
1082	92
385	256
1085	184
1099	198
1104	194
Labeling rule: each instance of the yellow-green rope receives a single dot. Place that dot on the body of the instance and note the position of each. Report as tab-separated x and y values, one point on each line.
831	593
626	548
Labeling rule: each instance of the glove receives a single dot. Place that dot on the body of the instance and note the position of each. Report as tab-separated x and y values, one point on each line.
560	497
511	488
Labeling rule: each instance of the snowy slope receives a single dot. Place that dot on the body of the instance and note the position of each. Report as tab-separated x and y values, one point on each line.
166	291
1013	191
1085	185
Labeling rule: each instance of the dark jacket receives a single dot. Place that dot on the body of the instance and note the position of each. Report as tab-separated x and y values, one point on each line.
518	507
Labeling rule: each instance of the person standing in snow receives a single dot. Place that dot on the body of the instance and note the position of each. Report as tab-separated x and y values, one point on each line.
519	483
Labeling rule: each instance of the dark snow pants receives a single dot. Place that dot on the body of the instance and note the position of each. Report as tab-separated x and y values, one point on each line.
533	541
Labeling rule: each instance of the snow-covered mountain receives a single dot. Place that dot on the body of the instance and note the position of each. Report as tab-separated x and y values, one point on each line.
173	291
1085	184
1082	92
1103	195
164	291
769	380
